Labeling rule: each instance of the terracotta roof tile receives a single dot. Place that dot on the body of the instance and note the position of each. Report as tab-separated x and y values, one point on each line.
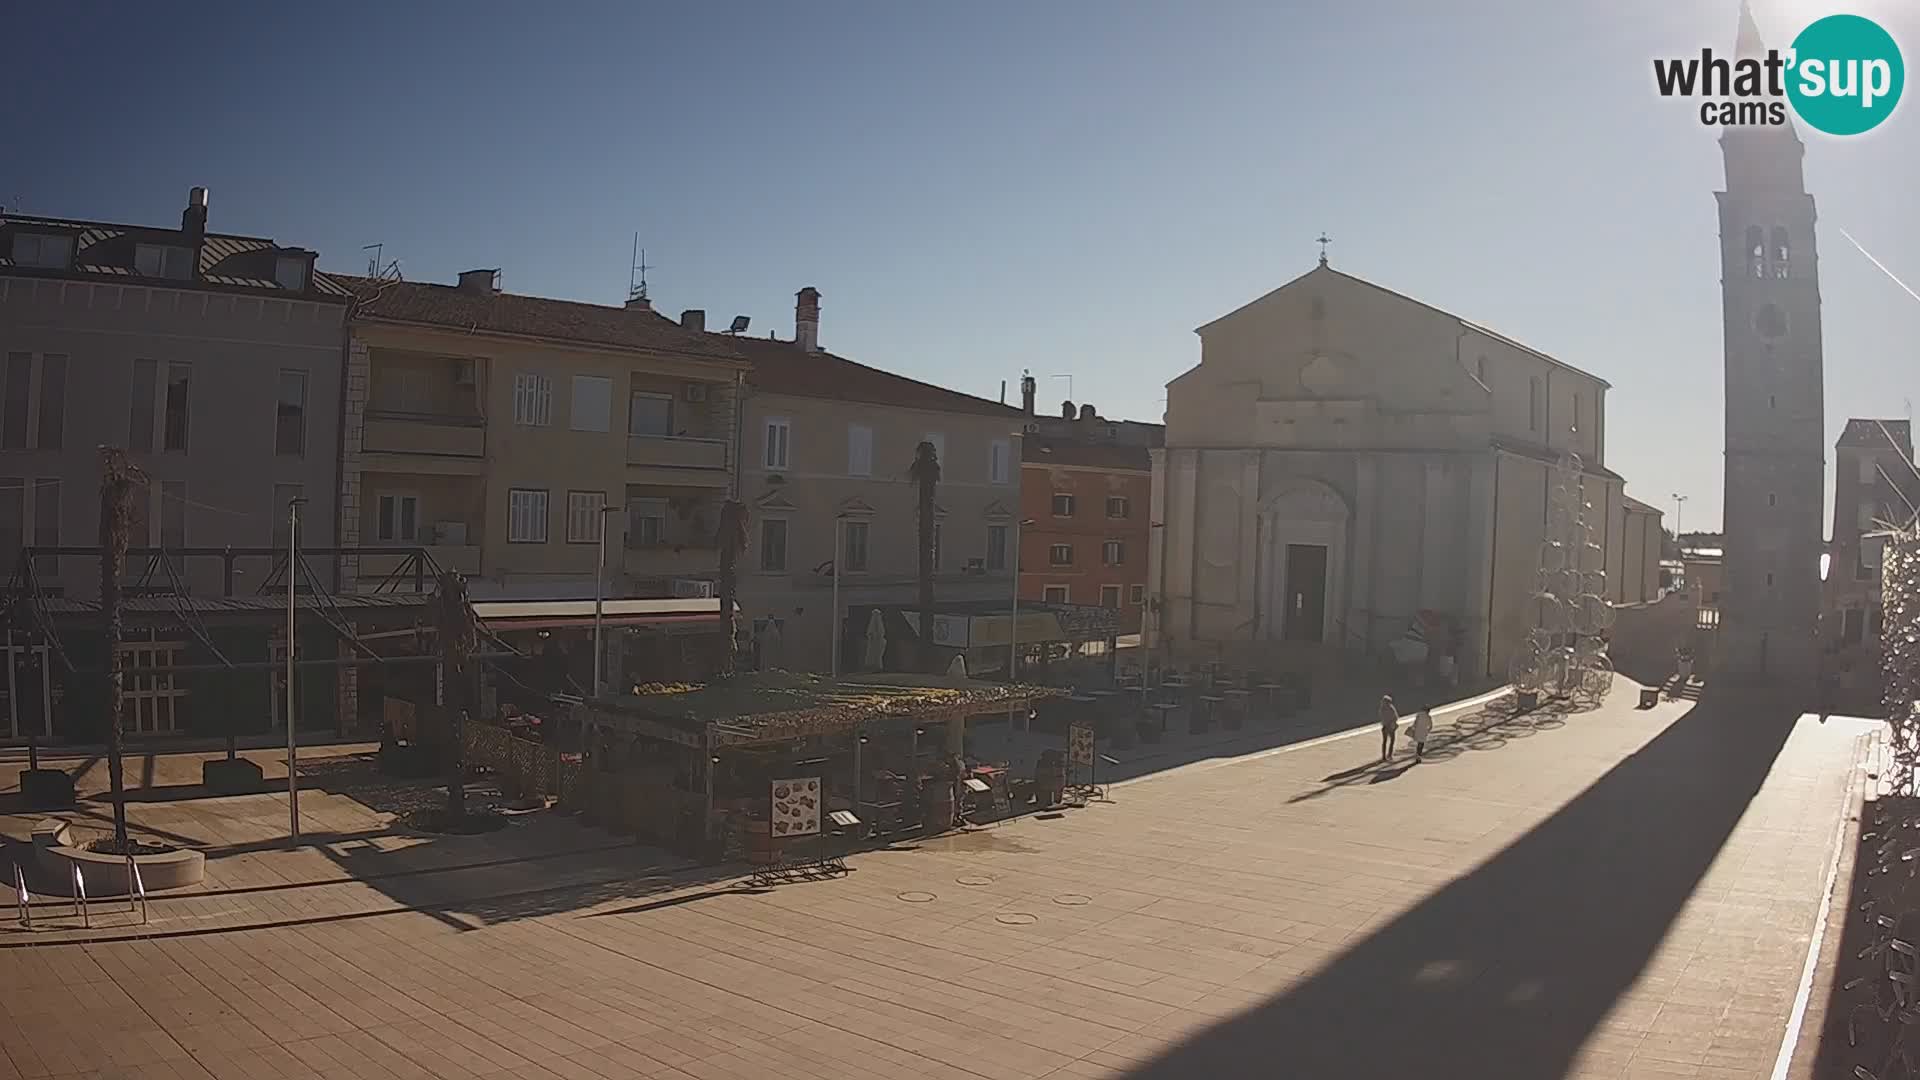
783	367
428	304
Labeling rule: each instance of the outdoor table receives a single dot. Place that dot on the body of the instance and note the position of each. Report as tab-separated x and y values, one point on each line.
1164	708
1210	705
1272	690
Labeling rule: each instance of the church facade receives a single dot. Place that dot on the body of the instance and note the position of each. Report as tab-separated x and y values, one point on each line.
1775	408
1345	458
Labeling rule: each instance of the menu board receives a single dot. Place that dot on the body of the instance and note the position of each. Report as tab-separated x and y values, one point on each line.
796	807
1080	744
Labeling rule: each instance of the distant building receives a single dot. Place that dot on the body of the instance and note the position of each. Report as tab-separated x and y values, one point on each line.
1344	459
1086	488
828	443
1875	485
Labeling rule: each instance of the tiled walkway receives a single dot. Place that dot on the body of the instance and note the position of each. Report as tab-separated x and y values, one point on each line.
1615	893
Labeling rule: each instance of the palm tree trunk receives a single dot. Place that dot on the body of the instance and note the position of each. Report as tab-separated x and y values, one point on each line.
116	514
458	636
926	472
732	541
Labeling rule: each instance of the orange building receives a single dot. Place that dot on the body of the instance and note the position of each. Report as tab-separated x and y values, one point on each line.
1087	512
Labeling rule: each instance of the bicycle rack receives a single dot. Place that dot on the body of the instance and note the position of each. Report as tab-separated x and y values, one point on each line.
80	897
136	889
22	897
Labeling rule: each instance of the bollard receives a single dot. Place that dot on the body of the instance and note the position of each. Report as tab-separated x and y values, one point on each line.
25	901
80	897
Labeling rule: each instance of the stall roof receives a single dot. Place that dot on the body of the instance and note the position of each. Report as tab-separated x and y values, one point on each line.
542	614
767	706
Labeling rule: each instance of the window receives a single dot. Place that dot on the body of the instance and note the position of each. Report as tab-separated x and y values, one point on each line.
646	522
1118	506
140	407
1533	403
649	414
996	547
46	520
13	518
1773	401
398	518
43	250
282	495
584	519
859	450
1769	581
526	516
1874	623
1869	471
1000	461
936	548
175	431
163	260
1137	594
1062	505
779	434
1060	555
13	425
1863	515
404	389
290	272
592	404
1756	252
1861	571
773	544
53	402
1773	499
1054	594
1110	596
1780	255
173	513
1113	553
854	555
939	442
532	400
290	431
1854	626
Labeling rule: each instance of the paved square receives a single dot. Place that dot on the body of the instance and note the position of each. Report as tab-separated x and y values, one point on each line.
1616	893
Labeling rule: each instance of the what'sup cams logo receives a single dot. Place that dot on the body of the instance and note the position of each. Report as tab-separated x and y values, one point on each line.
1843	76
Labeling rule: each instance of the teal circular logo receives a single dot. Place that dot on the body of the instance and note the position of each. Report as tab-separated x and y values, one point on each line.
1846	75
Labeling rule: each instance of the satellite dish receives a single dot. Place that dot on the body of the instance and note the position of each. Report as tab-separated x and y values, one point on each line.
739	325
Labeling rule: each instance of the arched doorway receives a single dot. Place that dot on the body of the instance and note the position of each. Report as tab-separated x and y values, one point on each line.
1303	562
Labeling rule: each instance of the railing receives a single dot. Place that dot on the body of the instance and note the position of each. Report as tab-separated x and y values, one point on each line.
676	451
136	889
391	432
80	897
21	897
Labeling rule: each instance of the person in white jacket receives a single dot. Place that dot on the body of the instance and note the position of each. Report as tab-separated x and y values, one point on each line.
1421	728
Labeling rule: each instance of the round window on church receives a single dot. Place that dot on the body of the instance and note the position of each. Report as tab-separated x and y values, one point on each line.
1770	321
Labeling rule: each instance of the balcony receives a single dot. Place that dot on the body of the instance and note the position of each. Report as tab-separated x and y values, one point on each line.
673	459
459	441
671	560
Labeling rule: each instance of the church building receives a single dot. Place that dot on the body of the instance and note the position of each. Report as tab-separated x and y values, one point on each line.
1346	461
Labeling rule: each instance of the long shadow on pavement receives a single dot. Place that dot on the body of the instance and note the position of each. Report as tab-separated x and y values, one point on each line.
1507	971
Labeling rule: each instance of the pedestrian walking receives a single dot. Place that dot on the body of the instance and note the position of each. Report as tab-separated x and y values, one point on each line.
1389	726
1420	730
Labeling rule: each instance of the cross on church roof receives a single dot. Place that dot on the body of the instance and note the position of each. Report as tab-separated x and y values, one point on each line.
1323	240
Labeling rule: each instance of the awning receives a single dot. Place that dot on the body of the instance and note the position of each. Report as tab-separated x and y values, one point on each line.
683	614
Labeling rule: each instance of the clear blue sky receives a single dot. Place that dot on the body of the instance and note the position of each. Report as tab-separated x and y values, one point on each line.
1069	186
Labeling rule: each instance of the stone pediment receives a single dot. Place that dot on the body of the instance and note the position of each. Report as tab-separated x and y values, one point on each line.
855	507
774	501
996	511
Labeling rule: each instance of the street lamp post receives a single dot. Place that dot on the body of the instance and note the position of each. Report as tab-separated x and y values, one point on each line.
599	602
1679	506
293	750
837	620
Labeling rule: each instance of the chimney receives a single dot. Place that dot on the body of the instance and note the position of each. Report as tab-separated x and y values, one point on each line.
639	303
1066	410
1087	413
806	319
193	220
480	281
694	318
1027	390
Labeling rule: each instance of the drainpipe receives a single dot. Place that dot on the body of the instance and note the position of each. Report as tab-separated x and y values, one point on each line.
739	432
1493	560
340	442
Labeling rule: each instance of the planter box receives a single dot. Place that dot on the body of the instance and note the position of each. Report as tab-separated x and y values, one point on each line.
1527	700
43	789
106	875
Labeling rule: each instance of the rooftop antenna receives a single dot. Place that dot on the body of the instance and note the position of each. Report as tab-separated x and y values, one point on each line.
373	260
637	272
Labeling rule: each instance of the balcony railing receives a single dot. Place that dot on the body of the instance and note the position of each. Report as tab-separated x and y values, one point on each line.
677	452
389	432
462	557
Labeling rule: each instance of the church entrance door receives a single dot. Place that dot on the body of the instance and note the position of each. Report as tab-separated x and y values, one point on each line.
1306	614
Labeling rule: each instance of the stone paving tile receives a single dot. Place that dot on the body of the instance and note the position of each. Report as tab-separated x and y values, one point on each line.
1197	899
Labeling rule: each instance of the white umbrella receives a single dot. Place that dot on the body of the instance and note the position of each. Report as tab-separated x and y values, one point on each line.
876	641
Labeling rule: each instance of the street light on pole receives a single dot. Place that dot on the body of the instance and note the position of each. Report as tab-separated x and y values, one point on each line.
1013	624
599	593
1679	507
838	621
293	750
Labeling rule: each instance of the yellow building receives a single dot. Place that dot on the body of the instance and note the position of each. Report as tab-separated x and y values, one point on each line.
493	430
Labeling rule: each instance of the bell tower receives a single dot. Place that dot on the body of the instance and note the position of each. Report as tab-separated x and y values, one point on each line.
1775	412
